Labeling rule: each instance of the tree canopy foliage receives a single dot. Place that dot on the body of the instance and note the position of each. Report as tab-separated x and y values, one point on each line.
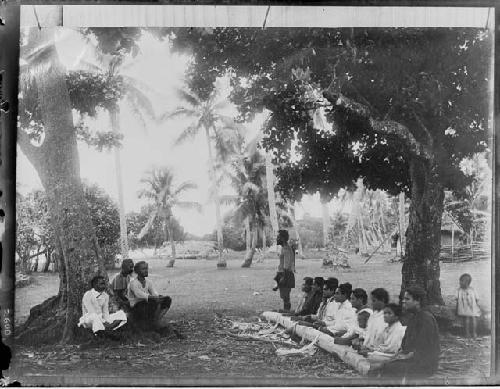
420	92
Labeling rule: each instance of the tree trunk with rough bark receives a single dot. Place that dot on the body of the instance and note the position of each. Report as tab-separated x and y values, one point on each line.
57	164
423	237
114	115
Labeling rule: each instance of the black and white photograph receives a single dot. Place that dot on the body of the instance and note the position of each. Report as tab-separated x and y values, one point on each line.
253	195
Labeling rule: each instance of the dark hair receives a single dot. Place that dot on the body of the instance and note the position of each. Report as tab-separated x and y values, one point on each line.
332	283
127	260
418	294
138	265
466	275
284	235
360	294
93	281
308	280
345	289
320	281
381	295
394	308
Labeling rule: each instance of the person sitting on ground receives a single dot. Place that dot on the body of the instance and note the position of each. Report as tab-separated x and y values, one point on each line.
5	358
376	323
419	356
119	285
147	306
392	337
328	304
359	299
345	316
95	310
312	303
307	292
285	277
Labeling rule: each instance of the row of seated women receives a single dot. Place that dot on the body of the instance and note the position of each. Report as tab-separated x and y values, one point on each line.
375	331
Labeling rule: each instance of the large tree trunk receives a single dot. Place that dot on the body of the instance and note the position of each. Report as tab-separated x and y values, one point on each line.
423	237
114	115
218	219
172	244
402	222
250	253
57	164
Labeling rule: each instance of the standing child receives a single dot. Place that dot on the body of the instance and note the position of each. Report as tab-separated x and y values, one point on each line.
467	305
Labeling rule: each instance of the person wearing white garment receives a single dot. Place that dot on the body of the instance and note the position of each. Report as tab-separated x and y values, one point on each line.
95	309
392	338
376	324
345	315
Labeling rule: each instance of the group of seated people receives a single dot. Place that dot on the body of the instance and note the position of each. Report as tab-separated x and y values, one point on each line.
376	332
127	299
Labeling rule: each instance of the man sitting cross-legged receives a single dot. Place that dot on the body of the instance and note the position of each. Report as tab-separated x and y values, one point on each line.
345	316
95	309
119	285
147	306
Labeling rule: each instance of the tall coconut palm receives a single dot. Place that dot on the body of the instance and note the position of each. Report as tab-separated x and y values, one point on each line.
132	92
161	189
248	179
221	132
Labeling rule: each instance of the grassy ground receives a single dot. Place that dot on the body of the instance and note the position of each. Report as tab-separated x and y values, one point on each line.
203	299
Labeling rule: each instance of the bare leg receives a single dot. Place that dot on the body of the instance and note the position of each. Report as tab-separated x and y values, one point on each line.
467	326
474	327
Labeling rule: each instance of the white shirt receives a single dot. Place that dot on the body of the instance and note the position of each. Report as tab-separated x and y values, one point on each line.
136	292
356	329
331	309
392	337
96	302
374	329
345	316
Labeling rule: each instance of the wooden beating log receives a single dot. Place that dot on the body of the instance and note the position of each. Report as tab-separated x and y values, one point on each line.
326	342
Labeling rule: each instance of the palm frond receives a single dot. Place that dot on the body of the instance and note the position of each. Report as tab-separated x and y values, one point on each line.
187	185
178	112
189	133
189	97
250	187
139	100
229	199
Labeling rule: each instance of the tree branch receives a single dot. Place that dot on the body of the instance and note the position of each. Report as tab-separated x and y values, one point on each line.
388	127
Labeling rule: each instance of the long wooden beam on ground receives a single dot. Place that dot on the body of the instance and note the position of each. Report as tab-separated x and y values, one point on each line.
326	342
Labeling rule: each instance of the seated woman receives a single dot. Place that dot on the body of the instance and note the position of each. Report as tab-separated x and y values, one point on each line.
355	331
419	355
392	337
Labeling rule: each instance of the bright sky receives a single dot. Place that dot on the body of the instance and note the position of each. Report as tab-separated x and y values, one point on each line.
144	148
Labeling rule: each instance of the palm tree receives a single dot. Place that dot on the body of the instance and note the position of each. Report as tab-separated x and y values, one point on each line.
160	188
220	130
132	92
247	178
